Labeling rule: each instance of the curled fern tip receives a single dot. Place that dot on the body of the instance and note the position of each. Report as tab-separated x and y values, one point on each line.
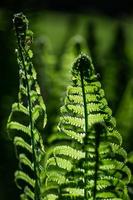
84	66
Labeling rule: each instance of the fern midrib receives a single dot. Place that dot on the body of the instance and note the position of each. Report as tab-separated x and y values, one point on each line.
97	141
86	129
97	137
37	190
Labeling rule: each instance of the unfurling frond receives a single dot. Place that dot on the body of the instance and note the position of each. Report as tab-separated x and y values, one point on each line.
90	163
28	116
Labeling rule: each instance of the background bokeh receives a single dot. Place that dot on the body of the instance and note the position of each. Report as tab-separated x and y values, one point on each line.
103	29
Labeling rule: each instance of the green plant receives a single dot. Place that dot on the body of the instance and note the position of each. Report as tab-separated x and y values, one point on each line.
90	162
86	159
28	116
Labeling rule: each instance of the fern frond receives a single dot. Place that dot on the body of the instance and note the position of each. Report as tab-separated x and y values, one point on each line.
92	146
28	117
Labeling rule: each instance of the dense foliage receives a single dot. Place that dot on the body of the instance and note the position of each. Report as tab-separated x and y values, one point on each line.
79	155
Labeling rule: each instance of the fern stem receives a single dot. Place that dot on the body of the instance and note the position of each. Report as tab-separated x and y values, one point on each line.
21	49
98	129
86	128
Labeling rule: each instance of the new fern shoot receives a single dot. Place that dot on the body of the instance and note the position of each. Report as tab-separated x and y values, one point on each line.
88	163
28	116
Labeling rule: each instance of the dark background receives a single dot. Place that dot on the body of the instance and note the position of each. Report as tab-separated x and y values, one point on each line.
110	8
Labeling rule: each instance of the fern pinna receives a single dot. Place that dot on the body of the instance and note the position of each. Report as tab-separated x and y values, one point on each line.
28	117
90	163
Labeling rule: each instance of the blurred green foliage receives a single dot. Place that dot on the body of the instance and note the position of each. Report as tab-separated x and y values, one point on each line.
57	41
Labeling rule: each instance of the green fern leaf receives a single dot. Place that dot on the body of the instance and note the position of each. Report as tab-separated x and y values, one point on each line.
28	117
92	144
